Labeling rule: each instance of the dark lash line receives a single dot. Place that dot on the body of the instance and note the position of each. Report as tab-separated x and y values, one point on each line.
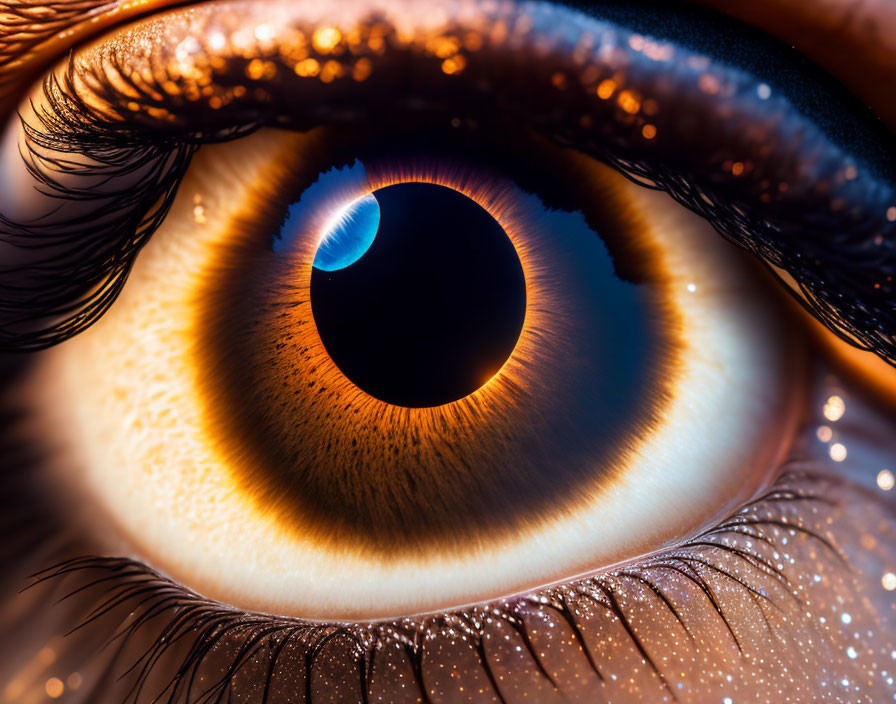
483	662
149	596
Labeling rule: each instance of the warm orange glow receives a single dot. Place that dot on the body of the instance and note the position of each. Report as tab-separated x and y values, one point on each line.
875	375
629	101
325	39
606	88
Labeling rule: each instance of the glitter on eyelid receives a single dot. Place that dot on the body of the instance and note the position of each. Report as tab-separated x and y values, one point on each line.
307	68
888	581
264	33
824	433
834	408
74	680
709	84
454	65
54	688
198	210
837	452
629	101
606	88
325	39
886	480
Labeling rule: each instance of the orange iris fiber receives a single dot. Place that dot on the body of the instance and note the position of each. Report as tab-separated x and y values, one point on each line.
346	468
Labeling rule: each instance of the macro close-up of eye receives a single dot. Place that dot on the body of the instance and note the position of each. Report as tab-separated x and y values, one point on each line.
447	351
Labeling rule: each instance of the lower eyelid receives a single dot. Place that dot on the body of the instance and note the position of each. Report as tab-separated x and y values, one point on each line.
797	571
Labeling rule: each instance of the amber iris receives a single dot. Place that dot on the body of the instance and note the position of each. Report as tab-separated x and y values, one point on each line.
456	443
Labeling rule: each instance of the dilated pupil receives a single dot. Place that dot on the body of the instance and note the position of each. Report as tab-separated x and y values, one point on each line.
433	308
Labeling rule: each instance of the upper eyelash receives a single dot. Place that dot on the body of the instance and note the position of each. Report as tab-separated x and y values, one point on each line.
858	256
200	624
75	290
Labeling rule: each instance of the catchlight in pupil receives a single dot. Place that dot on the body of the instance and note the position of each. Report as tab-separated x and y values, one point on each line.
349	236
433	308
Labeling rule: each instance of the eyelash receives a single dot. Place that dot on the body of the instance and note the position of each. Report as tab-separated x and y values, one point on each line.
87	286
200	625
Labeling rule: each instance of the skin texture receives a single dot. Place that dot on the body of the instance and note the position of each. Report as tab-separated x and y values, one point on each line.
615	639
825	30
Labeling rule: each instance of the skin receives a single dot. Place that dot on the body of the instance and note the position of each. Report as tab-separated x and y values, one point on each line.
823	29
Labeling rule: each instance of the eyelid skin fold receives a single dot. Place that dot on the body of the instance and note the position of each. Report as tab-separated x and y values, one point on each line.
829	30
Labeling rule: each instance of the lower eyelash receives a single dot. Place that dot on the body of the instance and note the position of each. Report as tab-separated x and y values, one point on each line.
168	620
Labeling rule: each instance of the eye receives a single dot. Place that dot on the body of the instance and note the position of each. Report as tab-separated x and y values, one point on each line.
391	349
410	495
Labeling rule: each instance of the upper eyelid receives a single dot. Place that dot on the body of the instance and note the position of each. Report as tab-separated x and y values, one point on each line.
842	242
873	204
33	35
32	38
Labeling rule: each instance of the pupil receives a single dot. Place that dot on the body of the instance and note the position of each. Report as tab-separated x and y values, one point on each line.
432	308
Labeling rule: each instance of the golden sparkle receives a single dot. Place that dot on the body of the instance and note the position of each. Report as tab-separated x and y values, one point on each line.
834	408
